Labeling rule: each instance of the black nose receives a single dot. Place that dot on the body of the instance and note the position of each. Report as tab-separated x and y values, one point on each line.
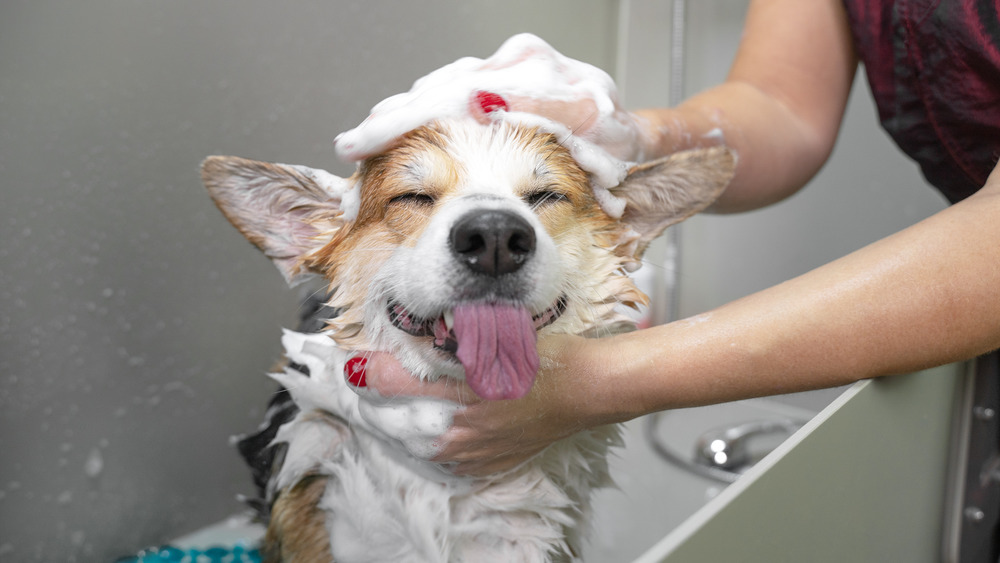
492	242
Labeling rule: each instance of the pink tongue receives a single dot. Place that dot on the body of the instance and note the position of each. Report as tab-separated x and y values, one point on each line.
496	345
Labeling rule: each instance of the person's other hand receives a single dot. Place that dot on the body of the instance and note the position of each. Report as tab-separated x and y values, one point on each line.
487	437
526	79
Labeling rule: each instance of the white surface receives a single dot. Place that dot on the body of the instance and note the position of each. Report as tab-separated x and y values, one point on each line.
654	496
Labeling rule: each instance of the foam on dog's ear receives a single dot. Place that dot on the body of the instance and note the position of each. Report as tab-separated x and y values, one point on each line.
666	191
281	209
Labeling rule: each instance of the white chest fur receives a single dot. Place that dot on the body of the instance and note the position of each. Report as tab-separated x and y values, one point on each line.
382	504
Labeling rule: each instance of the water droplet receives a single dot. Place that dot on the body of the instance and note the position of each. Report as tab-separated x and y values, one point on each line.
94	464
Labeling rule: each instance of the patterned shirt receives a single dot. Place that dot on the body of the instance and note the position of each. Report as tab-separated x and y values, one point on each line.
934	69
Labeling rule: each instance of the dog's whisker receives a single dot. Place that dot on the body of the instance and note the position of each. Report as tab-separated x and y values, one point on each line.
571	131
585	120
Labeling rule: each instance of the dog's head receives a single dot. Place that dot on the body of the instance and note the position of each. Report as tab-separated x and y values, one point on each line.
455	247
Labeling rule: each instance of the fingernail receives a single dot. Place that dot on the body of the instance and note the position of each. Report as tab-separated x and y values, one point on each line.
354	370
490	102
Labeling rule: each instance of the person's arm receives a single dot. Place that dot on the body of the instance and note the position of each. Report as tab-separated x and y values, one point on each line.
923	297
780	107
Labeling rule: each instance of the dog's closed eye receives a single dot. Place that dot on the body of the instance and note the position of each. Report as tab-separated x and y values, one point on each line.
544	197
415	199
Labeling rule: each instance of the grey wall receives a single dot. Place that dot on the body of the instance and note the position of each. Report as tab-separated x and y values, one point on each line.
135	323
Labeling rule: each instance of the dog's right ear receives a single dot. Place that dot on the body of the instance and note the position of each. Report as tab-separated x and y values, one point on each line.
282	209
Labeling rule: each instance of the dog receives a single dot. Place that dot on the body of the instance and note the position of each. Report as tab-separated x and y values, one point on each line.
454	249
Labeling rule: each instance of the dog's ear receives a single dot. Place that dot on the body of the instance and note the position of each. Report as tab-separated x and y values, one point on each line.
663	192
282	209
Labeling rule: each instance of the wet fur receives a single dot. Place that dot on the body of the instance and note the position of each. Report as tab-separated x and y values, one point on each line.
297	530
297	217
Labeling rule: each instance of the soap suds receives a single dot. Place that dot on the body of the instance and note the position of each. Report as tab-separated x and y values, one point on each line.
525	66
415	422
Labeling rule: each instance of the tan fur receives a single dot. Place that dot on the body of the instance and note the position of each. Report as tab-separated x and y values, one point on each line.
697	178
297	531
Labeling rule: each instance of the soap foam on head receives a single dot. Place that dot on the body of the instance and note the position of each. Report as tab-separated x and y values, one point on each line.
524	66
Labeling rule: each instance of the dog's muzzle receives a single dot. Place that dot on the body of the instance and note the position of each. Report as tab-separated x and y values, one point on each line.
488	326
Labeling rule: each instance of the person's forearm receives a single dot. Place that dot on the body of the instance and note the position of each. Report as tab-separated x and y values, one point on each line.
780	107
923	297
776	153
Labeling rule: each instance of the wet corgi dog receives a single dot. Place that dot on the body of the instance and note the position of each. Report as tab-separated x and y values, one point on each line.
454	250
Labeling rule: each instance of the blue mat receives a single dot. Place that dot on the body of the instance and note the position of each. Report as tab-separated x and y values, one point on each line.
236	554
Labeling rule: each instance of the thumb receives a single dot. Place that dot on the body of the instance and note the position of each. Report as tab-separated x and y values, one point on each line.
387	377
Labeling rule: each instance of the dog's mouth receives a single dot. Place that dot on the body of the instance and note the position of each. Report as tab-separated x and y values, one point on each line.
443	327
495	342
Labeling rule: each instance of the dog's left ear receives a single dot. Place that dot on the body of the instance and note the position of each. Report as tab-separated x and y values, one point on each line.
282	209
663	192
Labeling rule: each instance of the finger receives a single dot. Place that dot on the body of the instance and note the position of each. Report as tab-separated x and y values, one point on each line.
475	469
579	115
385	375
464	446
482	103
483	468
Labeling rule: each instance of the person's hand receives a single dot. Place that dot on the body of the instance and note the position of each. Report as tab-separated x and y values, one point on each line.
487	437
525	81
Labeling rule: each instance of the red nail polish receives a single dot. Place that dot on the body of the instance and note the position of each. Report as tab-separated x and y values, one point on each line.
354	370
490	102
